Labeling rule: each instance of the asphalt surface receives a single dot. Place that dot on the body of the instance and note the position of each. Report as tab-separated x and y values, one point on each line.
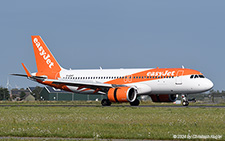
170	106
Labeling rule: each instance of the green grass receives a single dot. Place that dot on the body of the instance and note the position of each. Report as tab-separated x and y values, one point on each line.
111	122
97	103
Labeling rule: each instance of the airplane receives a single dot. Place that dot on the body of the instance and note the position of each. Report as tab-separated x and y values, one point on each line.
118	85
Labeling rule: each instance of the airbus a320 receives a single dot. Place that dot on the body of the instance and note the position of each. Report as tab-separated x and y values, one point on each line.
118	85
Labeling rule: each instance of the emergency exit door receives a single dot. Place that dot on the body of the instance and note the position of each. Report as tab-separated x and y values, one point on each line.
180	73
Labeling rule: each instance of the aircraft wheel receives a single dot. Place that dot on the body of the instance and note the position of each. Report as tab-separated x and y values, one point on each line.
106	102
185	103
135	103
184	100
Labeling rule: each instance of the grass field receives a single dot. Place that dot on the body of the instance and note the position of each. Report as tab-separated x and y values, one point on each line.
111	122
97	103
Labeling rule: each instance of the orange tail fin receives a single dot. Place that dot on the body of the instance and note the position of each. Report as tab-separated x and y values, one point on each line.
46	63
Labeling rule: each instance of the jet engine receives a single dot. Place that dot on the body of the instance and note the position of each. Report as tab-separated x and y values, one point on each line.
122	94
164	97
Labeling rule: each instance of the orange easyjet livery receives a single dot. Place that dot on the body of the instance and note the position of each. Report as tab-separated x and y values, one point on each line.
119	85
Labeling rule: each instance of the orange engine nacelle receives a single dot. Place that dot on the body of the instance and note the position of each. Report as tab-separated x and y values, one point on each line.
164	97
122	94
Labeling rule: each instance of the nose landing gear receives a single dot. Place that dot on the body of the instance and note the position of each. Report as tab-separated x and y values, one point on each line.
185	100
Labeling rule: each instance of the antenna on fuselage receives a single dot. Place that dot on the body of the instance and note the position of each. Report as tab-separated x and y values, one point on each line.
182	67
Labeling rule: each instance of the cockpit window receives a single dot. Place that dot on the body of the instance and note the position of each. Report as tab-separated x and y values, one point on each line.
197	76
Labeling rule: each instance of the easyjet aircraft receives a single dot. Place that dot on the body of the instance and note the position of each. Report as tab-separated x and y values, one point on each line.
119	85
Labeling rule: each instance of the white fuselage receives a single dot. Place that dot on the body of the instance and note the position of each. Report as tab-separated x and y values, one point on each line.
173	85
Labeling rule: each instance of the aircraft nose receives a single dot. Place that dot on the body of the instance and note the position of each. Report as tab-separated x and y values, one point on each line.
209	84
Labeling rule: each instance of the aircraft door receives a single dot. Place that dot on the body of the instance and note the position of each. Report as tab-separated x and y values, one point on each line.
180	73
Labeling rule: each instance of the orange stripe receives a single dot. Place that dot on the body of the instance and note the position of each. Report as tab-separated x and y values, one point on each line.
57	86
156	73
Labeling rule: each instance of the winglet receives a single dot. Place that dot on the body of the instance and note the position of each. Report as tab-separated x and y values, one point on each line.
26	70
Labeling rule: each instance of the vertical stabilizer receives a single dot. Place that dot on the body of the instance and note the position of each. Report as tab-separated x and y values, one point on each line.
46	63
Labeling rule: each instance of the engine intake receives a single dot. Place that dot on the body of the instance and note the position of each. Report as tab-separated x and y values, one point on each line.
122	94
164	97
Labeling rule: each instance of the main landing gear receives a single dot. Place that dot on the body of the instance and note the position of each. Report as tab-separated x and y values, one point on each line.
184	100
136	102
106	102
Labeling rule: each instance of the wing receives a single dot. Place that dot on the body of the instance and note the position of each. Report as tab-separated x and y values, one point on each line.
89	85
96	86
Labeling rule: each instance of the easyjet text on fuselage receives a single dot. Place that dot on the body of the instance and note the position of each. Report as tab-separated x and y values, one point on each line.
161	73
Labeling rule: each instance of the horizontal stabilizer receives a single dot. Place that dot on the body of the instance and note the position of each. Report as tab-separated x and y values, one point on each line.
32	77
23	75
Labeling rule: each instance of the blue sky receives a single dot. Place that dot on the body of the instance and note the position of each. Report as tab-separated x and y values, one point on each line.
86	34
